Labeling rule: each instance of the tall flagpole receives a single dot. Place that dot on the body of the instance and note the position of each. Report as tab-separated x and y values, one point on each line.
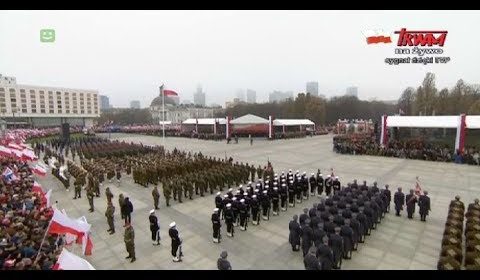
163	114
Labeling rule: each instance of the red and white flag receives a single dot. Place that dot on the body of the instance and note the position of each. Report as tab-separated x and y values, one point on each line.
28	154
69	261
377	36
5	151
62	224
418	189
15	146
37	188
39	169
48	197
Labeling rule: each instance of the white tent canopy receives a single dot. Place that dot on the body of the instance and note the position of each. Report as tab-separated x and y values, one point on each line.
205	121
472	122
423	121
249	119
292	122
165	122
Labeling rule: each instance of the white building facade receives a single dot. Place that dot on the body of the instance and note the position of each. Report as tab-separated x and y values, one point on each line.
47	106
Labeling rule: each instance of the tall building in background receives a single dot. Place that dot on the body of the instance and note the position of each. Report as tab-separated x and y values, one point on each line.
251	96
279	96
312	88
134	104
104	102
352	91
240	95
199	97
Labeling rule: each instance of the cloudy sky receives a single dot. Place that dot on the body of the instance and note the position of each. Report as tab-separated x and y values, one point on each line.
126	55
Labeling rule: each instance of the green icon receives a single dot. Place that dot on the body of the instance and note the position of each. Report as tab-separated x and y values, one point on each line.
47	35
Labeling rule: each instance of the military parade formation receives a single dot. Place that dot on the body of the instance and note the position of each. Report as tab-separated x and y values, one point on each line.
245	195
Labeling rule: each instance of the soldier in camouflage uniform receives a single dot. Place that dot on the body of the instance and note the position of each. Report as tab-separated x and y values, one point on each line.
129	239
167	192
156	197
108	194
110	217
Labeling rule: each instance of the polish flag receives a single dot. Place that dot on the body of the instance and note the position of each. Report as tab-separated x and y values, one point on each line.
69	238
48	198
28	154
62	224
17	153
39	170
37	188
69	261
15	146
418	189
377	36
5	151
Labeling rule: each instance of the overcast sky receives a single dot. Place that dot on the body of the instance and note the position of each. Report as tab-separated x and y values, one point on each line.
126	55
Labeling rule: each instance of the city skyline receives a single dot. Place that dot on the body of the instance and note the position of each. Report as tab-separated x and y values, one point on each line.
225	59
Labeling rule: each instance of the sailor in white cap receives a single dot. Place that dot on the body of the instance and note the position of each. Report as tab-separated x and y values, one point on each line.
328	185
230	193
275	199
304	184
283	196
216	224
229	220
176	242
336	185
242	209
235	204
313	184
254	205
219	203
154	227
265	206
320	183
291	194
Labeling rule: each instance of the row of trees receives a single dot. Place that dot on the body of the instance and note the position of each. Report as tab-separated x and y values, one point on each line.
427	100
317	109
125	117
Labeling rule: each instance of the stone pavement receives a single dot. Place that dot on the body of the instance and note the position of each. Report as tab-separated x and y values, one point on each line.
398	243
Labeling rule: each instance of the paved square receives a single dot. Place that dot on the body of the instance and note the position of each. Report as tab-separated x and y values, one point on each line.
398	243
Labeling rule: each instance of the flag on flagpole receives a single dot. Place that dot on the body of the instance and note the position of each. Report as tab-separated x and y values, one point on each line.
418	189
69	261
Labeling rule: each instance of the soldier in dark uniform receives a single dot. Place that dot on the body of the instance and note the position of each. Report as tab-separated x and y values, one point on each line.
156	197
313	184
129	239
310	260
255	210
318	234
216	224
387	196
320	183
295	233
283	197
275	200
424	205
307	236
176	243
336	243
410	201
291	195
347	233
328	185
336	185
154	227
128	209
325	254
243	215
218	203
399	200
110	217
235	205
265	205
229	218
223	263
